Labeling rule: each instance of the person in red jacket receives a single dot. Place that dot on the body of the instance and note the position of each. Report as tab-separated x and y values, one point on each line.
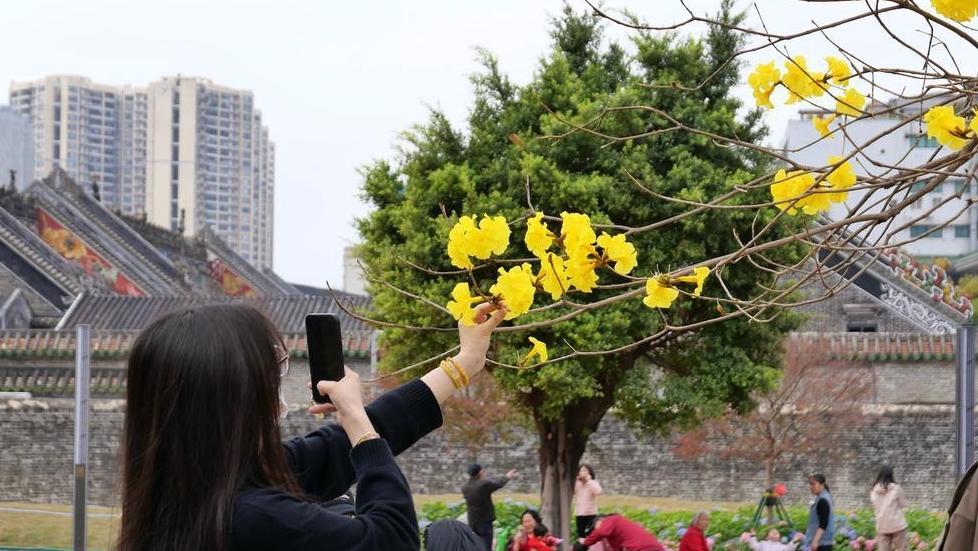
619	534
695	537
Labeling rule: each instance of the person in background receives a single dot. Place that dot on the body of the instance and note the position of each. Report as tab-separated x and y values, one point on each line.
532	534
888	503
586	492
820	533
695	537
617	533
772	542
478	500
451	535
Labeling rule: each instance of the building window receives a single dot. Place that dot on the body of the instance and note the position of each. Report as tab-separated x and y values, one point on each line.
861	326
918	230
175	172
962	230
921	140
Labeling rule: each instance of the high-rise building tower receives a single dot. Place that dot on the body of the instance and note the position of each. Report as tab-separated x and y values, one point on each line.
185	152
16	149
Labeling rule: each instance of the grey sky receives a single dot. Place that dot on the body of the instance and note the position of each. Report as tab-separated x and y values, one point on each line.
337	81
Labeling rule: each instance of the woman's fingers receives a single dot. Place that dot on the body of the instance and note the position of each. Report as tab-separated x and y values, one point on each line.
482	311
490	312
322	408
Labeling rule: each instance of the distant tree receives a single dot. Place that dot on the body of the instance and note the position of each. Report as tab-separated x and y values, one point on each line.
479	415
690	370
818	392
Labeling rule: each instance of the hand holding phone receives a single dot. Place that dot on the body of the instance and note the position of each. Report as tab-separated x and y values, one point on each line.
324	342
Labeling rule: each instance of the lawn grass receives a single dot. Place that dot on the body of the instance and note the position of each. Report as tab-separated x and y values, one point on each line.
49	525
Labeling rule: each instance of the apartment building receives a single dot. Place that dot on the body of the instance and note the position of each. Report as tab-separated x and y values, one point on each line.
896	142
16	148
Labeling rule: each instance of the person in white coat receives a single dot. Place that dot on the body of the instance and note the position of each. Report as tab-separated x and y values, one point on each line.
888	504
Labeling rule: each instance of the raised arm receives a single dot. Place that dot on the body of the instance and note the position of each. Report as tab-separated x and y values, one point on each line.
402	417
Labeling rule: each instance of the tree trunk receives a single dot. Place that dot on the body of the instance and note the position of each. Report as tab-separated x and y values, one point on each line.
562	444
560	457
769	478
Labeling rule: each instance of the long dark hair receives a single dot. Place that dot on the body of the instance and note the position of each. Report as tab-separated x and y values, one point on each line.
201	423
885	477
590	470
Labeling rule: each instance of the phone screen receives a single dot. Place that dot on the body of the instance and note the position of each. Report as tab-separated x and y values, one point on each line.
325	345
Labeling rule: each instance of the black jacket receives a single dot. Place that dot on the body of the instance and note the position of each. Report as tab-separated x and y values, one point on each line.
271	519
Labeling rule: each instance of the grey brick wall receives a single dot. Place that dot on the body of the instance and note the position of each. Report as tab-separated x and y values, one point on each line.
36	456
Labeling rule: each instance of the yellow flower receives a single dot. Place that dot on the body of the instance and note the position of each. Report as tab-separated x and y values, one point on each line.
458	250
466	240
763	80
788	187
958	10
839	70
538	237
657	294
553	276
516	288
800	82
822	124
492	237
700	274
840	179
947	127
539	350
851	103
577	233
461	304
619	251
580	273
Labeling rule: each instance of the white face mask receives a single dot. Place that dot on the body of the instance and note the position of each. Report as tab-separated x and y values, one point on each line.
283	406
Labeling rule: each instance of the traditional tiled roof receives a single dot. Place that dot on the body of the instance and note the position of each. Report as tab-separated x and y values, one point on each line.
119	254
263	284
115	312
51	344
36	254
59	381
110	223
883	347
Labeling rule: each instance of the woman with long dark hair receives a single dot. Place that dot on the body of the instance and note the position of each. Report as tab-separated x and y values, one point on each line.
888	503
820	532
204	467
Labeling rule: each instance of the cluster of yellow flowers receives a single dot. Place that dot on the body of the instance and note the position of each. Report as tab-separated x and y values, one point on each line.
949	129
804	84
466	239
568	260
958	10
789	189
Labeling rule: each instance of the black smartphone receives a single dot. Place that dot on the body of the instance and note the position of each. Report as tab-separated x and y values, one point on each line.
325	345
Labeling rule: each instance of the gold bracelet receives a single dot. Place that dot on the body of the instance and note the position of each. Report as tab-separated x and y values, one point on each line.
365	437
453	377
461	372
